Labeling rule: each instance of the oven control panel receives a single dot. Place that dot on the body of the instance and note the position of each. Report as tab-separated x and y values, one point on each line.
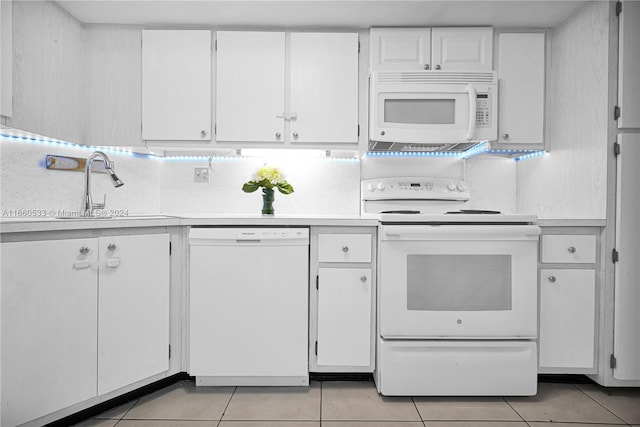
414	188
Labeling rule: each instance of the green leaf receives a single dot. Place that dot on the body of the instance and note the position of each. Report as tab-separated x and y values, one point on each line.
285	188
250	187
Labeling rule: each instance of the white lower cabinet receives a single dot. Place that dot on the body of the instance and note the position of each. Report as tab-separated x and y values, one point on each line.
344	316
567	318
133	315
568	304
49	334
80	318
342	299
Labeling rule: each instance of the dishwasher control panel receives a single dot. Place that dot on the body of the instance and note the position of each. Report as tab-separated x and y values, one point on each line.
211	236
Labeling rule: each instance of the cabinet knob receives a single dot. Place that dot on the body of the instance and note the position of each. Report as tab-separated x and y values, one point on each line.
572	249
295	134
203	133
112	246
382	133
84	250
363	279
552	279
278	135
505	136
426	66
345	249
438	67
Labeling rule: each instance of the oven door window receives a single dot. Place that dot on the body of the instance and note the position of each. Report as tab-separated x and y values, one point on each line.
458	282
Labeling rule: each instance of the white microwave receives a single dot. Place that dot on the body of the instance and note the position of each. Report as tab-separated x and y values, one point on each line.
432	107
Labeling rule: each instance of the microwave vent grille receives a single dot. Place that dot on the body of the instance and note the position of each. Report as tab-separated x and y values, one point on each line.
439	77
412	147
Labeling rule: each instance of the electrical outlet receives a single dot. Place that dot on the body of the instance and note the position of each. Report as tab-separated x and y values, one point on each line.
201	174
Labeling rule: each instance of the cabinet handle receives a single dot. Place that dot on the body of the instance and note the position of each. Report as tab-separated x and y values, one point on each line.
112	246
363	279
505	136
278	135
84	250
345	249
203	133
426	66
295	134
572	249
382	133
438	67
552	279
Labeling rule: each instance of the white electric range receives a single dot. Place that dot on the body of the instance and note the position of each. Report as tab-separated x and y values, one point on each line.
457	292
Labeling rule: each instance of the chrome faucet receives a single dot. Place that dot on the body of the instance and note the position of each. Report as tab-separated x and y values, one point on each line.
87	203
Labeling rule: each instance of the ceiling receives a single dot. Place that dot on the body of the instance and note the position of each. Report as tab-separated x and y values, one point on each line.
348	14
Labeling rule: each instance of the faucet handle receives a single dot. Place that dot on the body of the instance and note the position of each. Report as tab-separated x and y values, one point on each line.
100	205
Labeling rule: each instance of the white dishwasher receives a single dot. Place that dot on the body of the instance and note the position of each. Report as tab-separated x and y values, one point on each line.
248	313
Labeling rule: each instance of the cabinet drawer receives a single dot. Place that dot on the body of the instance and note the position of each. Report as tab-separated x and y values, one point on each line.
569	249
344	248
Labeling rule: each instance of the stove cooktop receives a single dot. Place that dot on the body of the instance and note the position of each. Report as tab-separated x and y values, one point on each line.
477	217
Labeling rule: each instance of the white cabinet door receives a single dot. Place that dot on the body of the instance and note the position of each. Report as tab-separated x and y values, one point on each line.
400	49
626	333
324	87
48	326
463	48
629	68
521	69
176	85
250	86
133	321
567	318
344	317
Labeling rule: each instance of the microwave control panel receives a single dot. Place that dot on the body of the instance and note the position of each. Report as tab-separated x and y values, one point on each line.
483	106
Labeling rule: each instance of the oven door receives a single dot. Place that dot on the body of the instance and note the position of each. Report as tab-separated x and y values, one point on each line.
458	281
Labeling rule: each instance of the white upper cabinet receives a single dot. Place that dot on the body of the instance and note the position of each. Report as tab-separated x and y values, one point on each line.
250	84
287	88
629	67
176	85
454	49
324	88
400	49
521	73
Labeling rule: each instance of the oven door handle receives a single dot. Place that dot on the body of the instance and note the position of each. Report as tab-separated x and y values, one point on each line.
460	232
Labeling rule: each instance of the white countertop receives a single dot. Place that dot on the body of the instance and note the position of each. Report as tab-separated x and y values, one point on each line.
32	224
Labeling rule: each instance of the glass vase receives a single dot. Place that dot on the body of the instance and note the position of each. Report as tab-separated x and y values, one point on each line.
267	201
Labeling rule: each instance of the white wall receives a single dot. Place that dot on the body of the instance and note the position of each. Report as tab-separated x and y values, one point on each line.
570	182
48	46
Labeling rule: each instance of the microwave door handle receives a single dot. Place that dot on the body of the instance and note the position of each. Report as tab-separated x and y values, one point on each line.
472	111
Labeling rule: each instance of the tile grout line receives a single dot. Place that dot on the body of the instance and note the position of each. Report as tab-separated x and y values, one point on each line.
321	392
224	411
515	410
602	405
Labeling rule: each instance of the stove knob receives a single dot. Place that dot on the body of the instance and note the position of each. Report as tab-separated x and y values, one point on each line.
380	186
451	186
461	187
370	187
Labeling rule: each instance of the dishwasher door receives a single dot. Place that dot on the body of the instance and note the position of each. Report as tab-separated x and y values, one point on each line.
248	314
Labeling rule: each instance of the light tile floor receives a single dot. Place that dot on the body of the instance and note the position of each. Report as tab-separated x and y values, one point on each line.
357	404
